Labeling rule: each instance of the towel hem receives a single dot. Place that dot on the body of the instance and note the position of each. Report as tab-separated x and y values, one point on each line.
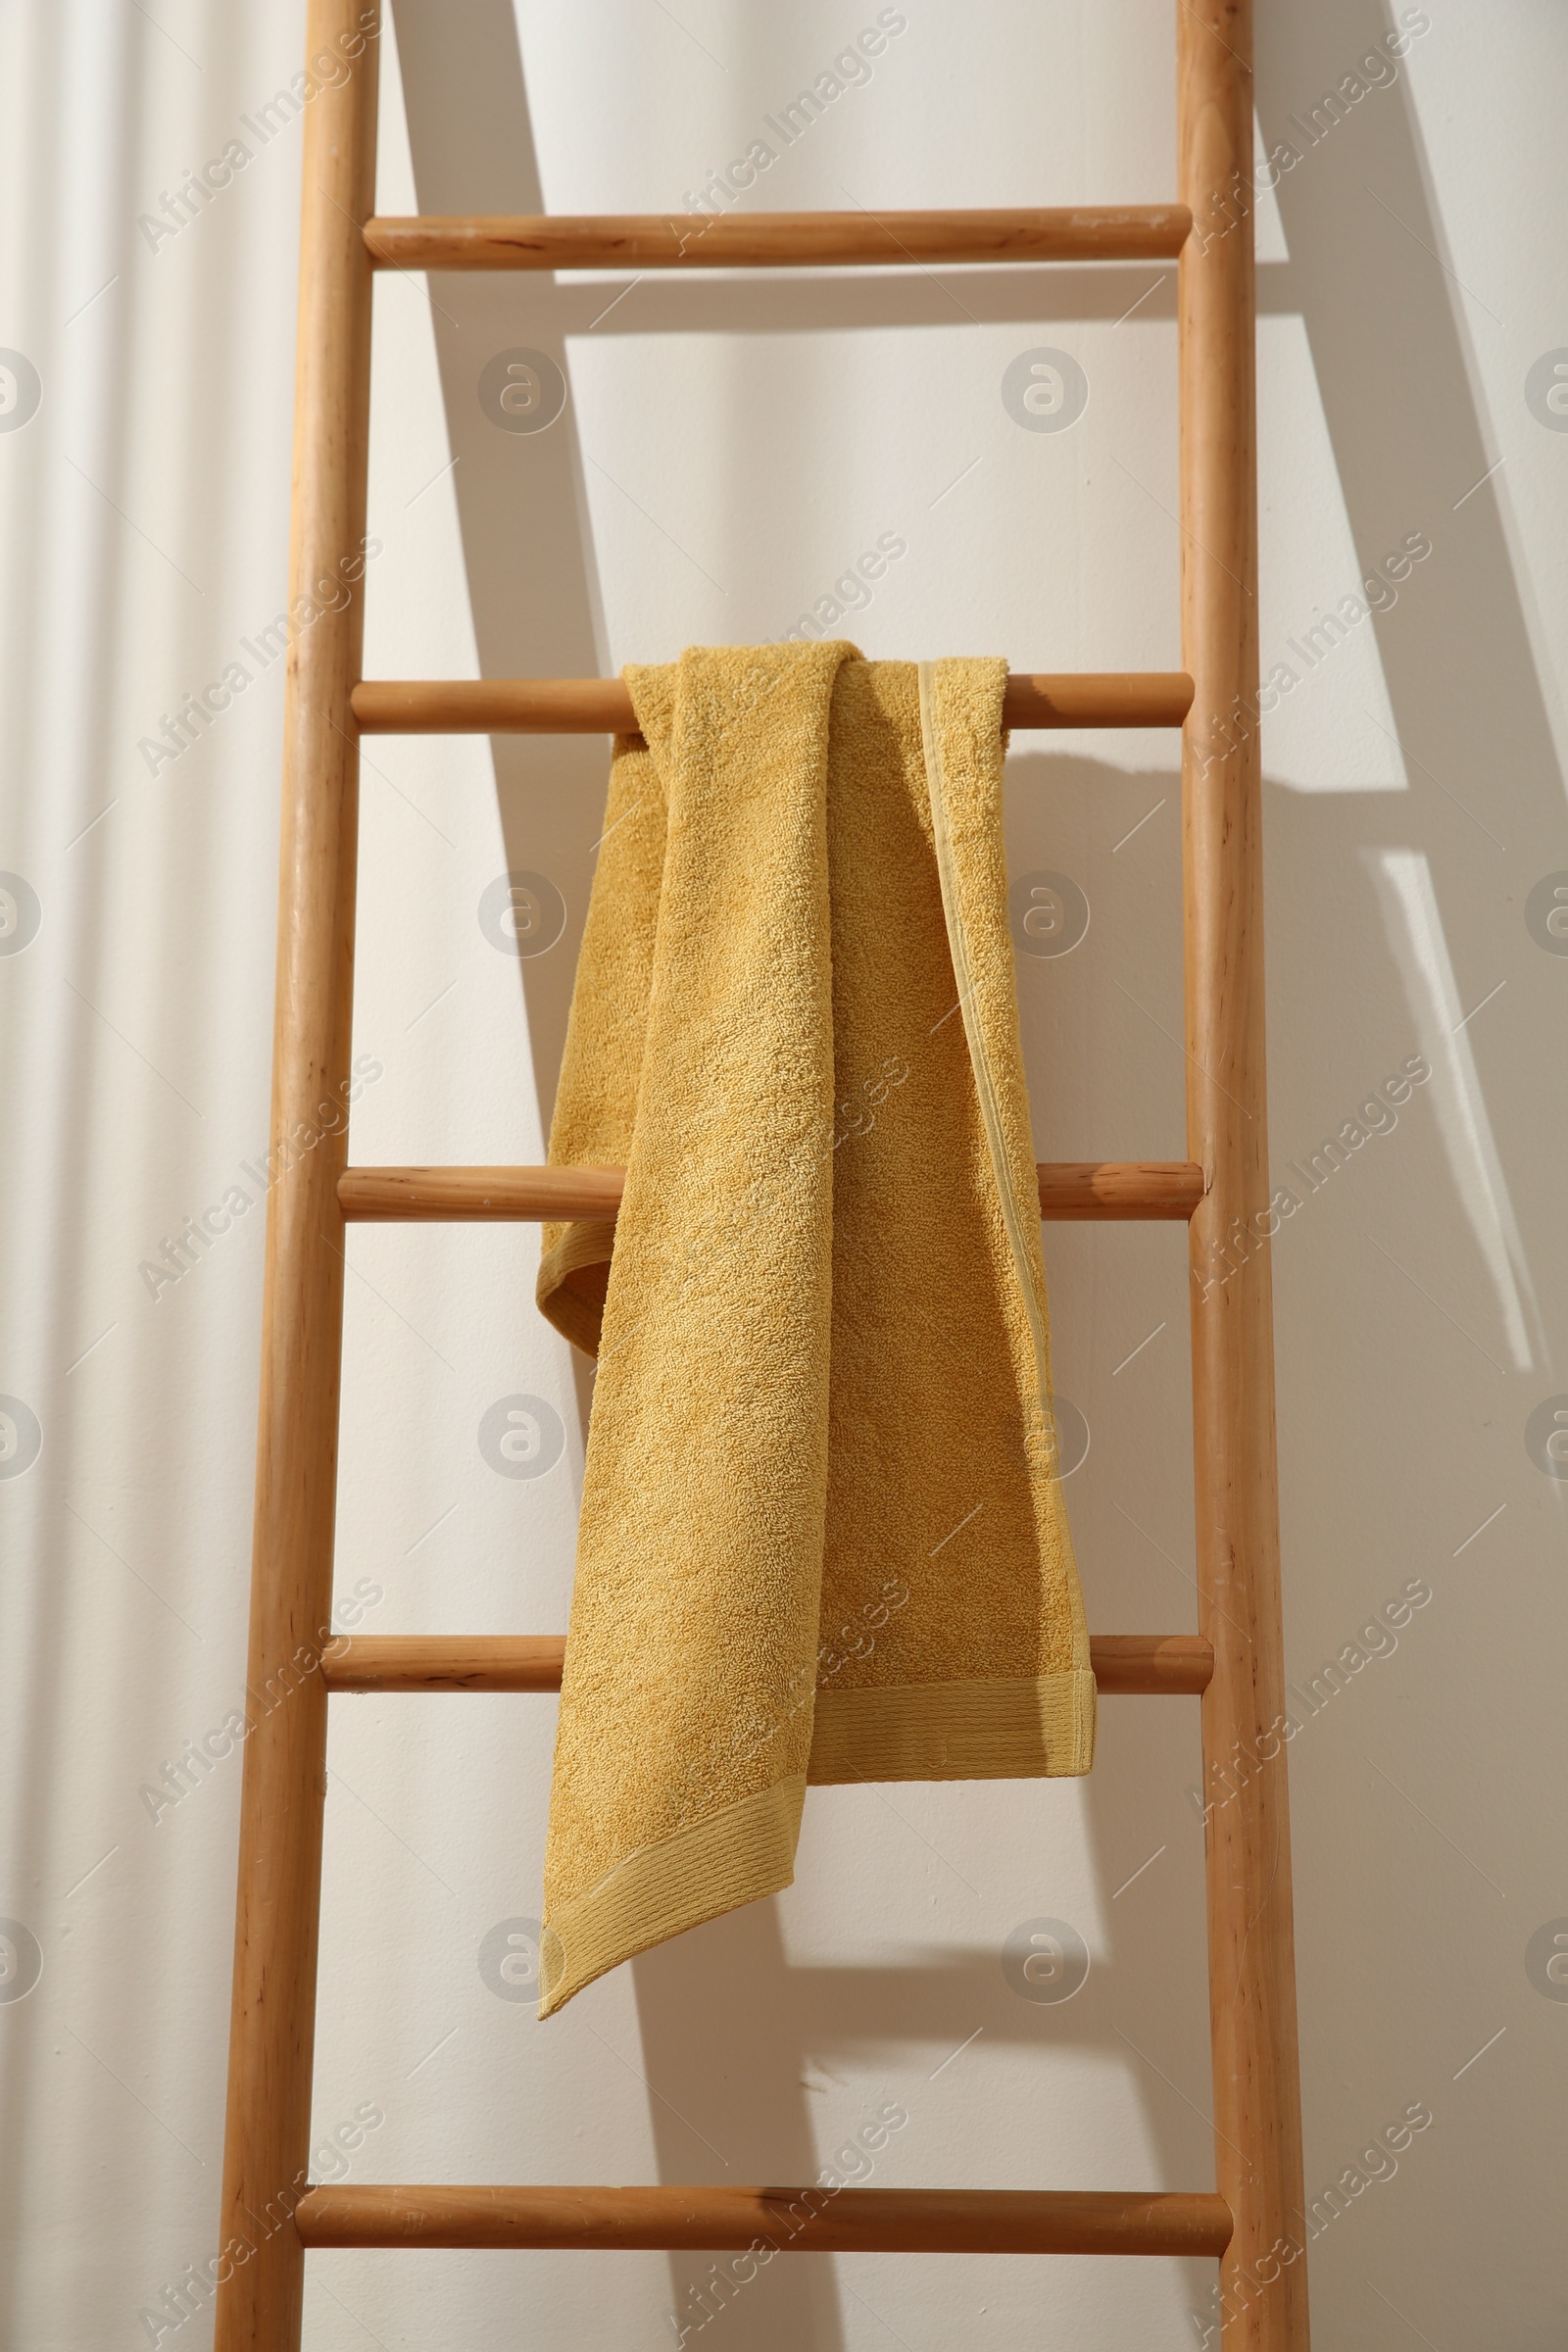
585	1243
1015	1209
1014	1727
737	1854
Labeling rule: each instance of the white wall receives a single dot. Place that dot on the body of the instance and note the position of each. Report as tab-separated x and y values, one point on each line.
729	449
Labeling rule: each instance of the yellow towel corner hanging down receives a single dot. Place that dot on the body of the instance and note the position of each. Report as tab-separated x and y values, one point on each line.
822	1535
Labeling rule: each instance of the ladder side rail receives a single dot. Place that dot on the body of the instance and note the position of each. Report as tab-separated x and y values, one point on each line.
279	1902
1247	1837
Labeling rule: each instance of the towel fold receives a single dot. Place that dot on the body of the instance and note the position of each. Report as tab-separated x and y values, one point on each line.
822	1534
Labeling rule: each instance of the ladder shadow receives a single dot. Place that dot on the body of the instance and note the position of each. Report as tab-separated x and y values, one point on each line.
522	511
746	2052
520	498
1386	328
726	2009
471	147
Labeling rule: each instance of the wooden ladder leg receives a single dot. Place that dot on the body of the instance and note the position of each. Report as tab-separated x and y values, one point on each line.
261	2264
1252	1964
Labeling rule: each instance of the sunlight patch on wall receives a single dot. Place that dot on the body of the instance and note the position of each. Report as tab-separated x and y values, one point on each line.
1414	923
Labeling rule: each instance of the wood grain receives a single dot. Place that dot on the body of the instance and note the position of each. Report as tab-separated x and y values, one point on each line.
273	2020
445	1662
855	2221
603	705
1151	1665
637	241
1070	1190
1146	1664
1257	2131
479	1196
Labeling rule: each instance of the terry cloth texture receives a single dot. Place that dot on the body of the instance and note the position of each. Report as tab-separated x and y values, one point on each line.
822	1533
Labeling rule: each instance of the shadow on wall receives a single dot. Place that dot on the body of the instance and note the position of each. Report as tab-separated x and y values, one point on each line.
749	2044
1385	348
1386	330
1388	353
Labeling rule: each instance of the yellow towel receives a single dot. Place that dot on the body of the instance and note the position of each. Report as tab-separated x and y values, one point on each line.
822	1533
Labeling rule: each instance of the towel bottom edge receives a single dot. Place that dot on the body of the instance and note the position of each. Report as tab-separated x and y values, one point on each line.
1018	1727
734	1856
1006	1728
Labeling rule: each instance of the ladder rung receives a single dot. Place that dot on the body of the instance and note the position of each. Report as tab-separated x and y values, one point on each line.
1069	1189
853	2220
1124	1663
637	241
1109	697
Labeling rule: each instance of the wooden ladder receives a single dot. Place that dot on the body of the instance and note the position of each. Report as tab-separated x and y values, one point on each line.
1253	2221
